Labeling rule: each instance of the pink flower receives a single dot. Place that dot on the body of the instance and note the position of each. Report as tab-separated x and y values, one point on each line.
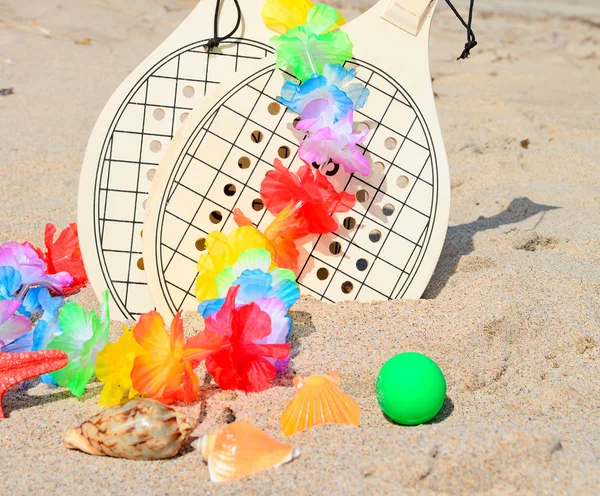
336	142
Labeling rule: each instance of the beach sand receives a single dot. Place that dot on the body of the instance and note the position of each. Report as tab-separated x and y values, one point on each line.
512	314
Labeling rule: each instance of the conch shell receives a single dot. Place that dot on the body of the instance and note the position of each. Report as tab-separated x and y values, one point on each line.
318	401
141	429
239	449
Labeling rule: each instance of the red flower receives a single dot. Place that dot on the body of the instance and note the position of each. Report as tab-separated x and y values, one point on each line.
63	255
314	197
242	364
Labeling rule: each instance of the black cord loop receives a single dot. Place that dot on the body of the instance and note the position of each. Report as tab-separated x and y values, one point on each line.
216	40
471	41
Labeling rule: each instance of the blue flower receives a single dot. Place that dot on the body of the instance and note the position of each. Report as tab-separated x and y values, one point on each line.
47	327
256	285
335	86
251	273
10	282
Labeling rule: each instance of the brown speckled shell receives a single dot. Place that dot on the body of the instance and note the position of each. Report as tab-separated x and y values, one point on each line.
138	430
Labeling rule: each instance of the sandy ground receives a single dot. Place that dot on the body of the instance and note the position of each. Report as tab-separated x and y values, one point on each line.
512	314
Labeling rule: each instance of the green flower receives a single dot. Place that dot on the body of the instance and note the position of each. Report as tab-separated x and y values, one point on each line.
84	336
307	49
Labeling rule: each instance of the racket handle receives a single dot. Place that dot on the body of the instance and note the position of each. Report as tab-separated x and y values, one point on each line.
408	15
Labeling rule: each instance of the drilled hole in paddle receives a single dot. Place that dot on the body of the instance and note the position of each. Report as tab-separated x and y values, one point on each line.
215	216
155	146
284	152
362	196
375	236
258	205
391	143
349	223
402	182
257	136
322	274
229	190
347	287
362	264
362	126
378	168
274	108
244	163
296	122
150	175
335	248
201	244
188	91
144	203
140	264
388	209
183	116
159	114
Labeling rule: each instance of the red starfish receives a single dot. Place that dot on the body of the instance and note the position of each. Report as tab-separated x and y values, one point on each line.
19	367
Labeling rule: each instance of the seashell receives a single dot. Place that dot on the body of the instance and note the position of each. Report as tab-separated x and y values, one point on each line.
239	449
141	429
318	401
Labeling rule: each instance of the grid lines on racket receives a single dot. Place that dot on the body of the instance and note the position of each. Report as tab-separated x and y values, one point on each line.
140	133
201	183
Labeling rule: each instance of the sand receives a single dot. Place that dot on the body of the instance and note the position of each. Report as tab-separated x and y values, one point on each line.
512	314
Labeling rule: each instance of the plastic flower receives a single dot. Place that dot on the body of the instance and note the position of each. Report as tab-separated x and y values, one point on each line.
336	143
46	328
315	196
10	282
165	369
281	327
84	336
114	366
223	251
282	15
252	273
12	326
244	362
64	255
33	270
335	86
307	49
281	235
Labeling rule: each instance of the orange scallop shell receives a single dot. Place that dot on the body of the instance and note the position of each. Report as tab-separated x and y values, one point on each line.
318	401
239	449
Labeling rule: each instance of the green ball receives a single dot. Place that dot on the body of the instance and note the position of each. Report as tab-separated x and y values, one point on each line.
411	388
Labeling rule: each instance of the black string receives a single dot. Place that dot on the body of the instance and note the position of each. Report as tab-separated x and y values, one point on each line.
471	41
216	40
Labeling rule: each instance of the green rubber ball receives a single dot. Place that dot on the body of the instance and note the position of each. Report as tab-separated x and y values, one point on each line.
411	388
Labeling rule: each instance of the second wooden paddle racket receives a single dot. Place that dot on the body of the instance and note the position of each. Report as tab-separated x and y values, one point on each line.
385	248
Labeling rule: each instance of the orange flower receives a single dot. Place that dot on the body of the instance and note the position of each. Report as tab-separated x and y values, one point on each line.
165	371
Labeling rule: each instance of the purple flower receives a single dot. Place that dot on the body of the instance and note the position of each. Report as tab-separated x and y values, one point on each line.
24	259
336	143
12	326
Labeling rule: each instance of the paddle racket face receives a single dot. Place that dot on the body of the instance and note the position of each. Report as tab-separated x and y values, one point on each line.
385	248
132	135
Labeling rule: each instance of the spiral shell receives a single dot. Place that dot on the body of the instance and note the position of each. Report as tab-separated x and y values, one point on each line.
141	429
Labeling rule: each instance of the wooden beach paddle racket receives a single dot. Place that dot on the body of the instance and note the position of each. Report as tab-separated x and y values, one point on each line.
387	246
134	131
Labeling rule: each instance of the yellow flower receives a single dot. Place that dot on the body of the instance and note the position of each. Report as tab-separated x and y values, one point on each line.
223	251
282	15
113	367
